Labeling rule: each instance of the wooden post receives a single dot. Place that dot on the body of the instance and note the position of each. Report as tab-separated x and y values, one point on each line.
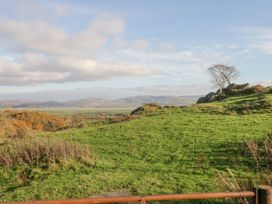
264	195
143	201
255	199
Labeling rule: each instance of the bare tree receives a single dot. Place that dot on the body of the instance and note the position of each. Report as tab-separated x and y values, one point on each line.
223	74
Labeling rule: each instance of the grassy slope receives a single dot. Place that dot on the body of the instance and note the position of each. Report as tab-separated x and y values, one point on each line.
243	104
178	150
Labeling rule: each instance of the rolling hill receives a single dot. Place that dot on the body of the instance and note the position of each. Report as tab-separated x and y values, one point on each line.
103	103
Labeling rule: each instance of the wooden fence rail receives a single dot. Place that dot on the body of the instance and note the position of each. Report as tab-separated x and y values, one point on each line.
262	195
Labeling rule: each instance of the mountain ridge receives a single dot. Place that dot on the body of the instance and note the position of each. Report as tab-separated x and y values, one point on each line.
102	103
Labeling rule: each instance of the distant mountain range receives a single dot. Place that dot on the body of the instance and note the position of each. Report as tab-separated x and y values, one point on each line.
102	103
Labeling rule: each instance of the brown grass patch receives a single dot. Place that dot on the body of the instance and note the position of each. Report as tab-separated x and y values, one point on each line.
38	120
18	124
42	152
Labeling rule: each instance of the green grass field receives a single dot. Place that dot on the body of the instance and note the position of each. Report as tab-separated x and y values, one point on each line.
174	150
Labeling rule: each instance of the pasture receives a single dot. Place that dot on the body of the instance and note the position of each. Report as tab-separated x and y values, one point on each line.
172	150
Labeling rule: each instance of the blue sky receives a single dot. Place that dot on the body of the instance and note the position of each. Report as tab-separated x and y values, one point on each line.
119	48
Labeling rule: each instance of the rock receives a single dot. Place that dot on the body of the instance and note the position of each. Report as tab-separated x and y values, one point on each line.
137	111
210	97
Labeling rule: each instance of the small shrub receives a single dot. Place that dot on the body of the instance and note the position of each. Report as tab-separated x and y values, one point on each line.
151	108
38	120
228	182
153	105
14	129
42	152
146	109
21	129
18	124
254	89
8	129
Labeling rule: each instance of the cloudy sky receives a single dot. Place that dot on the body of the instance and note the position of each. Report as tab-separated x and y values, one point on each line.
114	48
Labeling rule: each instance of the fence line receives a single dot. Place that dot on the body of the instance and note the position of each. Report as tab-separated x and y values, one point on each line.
145	199
262	195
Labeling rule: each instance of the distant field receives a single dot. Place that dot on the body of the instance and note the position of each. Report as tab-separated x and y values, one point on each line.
82	111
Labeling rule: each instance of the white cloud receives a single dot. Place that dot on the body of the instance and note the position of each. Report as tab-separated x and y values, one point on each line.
119	43
50	54
140	44
40	36
62	10
34	69
47	53
259	38
257	32
265	46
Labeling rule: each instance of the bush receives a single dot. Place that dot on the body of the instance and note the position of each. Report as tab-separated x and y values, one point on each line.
20	129
254	89
42	152
14	129
153	105
146	109
18	124
38	120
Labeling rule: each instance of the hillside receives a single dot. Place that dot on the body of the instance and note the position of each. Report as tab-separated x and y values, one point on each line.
167	150
241	99
9	103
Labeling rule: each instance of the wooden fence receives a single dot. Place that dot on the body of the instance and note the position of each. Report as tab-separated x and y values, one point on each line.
261	195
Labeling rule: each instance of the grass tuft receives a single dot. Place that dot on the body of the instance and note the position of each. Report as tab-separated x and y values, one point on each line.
42	152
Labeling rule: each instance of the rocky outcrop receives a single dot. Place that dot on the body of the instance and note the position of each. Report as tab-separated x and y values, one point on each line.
231	90
146	109
212	96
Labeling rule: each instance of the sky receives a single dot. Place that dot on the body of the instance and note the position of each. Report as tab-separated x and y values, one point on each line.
65	50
